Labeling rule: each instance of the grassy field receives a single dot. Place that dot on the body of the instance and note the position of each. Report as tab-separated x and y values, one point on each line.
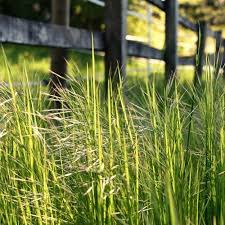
37	62
151	155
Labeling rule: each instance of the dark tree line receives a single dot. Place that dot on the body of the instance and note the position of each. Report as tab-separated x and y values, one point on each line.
82	13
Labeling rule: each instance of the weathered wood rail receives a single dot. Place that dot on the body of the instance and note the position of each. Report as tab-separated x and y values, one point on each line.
22	31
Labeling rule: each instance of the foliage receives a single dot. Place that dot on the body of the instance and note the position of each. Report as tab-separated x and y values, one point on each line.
83	14
207	10
31	9
88	15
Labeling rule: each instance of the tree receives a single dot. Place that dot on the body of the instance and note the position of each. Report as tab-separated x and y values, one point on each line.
28	9
211	11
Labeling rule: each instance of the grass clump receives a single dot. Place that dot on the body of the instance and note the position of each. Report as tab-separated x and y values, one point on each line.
146	156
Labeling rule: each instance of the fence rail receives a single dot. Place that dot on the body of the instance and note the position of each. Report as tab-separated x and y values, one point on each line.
22	31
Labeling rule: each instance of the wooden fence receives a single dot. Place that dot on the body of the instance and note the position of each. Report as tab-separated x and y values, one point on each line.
113	42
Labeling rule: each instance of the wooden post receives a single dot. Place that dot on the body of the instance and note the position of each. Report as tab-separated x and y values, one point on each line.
60	16
223	60
218	41
217	53
200	57
171	58
115	40
218	58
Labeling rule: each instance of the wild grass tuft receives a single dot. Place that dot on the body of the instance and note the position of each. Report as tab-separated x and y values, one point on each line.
145	156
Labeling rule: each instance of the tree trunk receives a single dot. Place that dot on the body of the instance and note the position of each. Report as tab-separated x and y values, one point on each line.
60	16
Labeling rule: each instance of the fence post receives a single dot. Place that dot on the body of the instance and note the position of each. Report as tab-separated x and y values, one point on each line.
60	16
171	58
200	58
218	42
115	40
223	60
218	56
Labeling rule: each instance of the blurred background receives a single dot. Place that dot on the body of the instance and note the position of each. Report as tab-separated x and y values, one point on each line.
146	23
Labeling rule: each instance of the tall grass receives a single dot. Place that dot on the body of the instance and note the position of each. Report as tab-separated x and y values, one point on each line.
145	156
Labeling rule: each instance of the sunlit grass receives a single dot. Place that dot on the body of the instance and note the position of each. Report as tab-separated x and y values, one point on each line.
37	62
149	155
